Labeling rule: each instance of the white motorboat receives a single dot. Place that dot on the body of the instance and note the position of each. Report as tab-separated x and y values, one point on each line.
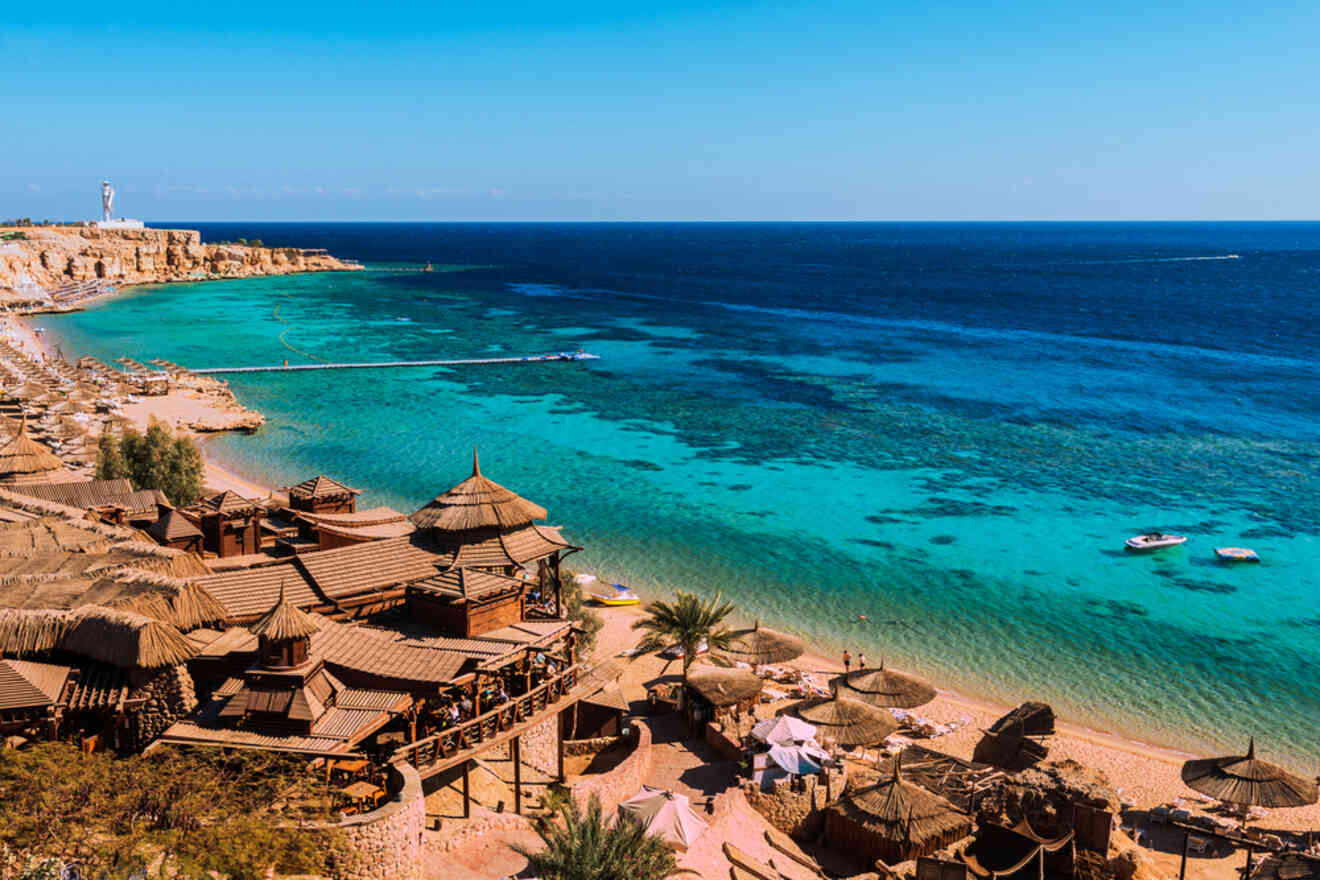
1153	541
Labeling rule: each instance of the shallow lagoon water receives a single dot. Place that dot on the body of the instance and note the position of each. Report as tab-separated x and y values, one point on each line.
947	428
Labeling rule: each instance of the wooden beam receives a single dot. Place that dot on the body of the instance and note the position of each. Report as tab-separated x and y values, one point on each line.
517	774
559	739
467	804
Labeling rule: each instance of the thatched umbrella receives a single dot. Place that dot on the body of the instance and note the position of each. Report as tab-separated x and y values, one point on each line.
884	688
893	821
1248	781
724	687
477	503
758	646
125	639
847	722
24	460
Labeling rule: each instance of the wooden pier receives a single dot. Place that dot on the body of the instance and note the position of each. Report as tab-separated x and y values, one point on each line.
381	365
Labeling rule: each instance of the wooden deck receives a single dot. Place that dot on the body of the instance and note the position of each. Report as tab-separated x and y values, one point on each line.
455	745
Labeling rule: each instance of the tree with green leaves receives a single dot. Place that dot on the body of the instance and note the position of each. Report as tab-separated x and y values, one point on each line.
156	459
577	610
584	845
687	622
173	813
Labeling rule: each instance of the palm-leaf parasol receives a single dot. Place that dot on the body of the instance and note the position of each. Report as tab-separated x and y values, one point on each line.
1247	780
758	646
847	722
884	688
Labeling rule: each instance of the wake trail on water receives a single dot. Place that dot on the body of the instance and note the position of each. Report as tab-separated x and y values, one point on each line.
1160	260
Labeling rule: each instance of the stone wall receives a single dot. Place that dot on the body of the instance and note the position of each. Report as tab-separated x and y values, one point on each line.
625	780
386	844
797	813
51	257
540	746
722	743
170	696
481	822
592	746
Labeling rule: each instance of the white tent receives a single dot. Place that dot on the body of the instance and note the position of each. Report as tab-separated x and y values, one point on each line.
783	730
665	813
796	760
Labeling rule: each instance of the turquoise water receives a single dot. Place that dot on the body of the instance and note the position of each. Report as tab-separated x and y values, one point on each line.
957	451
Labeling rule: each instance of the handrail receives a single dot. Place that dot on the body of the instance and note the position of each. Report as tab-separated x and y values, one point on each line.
488	724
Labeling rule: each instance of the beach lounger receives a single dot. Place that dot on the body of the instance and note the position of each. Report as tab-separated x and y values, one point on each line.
1198	845
1159	815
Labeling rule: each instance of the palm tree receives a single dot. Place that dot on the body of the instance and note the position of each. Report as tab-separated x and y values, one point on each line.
584	846
687	622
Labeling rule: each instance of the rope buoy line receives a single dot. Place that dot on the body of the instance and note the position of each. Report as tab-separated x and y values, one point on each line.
284	342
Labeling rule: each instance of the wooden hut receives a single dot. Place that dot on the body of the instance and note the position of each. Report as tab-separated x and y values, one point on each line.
467	602
893	821
720	695
480	524
230	524
173	529
321	494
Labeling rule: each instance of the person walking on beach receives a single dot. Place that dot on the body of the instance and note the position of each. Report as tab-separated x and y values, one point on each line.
861	660
847	662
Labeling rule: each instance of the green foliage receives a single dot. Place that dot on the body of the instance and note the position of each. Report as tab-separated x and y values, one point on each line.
585	846
577	610
256	242
171	814
687	621
154	460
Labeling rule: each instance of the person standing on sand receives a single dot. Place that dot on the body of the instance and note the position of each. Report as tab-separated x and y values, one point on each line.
861	660
847	662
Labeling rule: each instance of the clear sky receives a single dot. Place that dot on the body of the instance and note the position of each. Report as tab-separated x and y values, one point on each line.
956	110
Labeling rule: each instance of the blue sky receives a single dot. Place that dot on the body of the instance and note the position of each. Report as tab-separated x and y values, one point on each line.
669	111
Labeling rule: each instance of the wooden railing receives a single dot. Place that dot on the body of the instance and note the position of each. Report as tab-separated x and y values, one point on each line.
487	726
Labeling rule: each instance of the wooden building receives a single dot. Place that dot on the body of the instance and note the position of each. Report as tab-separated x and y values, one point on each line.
467	602
479	524
230	524
722	695
322	495
173	529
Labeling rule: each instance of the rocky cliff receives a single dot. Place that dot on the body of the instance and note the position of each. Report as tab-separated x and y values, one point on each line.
53	257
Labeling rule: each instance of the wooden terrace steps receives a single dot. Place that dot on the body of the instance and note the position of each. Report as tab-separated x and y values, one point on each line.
455	745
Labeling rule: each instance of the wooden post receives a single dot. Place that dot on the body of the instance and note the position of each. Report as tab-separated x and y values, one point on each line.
1187	845
559	735
517	774
558	608
467	806
1246	875
1041	873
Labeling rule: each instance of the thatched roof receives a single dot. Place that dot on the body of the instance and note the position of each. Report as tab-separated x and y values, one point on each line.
723	687
285	621
23	457
229	504
1029	719
477	503
1009	751
847	722
173	526
1245	779
884	688
901	812
758	646
120	638
25	632
321	487
172	600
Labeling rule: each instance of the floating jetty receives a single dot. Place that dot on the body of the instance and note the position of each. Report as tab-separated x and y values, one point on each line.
382	365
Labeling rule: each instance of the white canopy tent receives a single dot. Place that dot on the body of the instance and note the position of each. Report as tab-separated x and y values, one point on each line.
783	730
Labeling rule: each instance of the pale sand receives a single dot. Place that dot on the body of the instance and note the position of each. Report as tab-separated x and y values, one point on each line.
178	409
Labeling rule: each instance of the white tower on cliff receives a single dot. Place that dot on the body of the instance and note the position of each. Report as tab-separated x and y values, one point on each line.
107	201
107	211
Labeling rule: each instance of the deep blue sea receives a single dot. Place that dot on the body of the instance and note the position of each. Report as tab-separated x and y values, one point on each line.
947	428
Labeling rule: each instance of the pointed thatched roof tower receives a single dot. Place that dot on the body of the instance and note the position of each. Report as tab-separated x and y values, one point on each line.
477	503
284	634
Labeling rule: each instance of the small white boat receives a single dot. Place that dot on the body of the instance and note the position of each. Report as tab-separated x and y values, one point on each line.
1153	541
